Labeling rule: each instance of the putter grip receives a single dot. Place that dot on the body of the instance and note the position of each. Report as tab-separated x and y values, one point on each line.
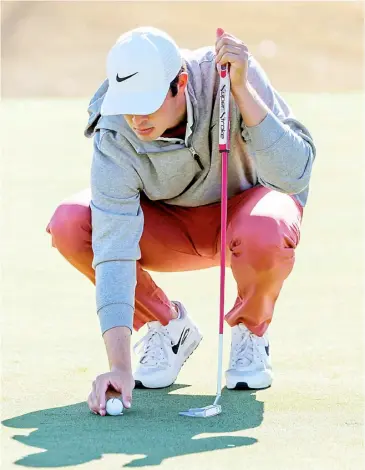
224	94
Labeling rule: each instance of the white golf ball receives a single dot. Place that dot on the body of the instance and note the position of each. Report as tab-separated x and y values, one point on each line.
114	407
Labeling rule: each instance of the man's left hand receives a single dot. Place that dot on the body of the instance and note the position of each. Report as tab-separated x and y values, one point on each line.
231	50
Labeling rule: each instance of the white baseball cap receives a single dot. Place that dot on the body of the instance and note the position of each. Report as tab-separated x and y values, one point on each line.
140	67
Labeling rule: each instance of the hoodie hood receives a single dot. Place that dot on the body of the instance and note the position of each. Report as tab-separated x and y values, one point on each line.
94	109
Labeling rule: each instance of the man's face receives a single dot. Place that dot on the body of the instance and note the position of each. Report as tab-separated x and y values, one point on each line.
151	126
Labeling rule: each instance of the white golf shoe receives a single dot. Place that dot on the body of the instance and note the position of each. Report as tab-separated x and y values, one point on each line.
250	362
164	349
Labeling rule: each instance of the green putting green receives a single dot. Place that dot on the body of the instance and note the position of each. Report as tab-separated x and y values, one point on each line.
312	417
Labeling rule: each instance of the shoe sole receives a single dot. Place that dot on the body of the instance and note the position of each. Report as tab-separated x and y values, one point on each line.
244	386
139	384
260	382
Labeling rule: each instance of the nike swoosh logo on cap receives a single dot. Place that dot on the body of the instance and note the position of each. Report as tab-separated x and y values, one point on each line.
122	79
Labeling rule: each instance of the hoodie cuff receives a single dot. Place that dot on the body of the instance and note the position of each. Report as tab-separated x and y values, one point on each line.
115	315
266	134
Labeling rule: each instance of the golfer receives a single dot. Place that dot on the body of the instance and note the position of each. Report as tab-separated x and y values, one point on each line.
154	205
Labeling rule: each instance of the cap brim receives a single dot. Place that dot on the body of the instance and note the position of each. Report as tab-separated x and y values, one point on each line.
116	102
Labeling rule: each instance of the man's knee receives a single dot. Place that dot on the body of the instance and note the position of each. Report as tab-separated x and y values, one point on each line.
260	240
70	228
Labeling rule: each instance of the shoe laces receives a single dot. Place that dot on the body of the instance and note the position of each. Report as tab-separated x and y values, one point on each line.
153	346
245	349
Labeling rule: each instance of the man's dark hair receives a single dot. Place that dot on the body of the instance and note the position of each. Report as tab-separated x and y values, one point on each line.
175	81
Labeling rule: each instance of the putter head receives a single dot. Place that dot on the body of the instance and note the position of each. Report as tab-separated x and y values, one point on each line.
206	412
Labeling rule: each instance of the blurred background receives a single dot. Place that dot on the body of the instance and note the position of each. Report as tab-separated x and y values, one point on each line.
59	48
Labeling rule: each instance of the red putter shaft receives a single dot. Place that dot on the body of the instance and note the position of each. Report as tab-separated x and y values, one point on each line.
224	146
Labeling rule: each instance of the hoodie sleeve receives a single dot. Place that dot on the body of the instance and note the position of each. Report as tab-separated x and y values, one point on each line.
117	225
280	145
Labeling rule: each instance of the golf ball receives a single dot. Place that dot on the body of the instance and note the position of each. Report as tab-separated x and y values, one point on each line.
114	407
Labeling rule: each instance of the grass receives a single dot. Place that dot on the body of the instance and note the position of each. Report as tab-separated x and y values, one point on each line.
52	349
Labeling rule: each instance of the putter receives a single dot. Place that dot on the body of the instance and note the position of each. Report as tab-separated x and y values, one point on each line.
224	145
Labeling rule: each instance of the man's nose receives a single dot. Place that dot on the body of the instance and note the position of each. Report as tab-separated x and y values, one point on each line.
139	119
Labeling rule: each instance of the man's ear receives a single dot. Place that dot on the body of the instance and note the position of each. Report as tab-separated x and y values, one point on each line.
183	80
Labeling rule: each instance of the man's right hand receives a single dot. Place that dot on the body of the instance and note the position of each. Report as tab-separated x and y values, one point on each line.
115	383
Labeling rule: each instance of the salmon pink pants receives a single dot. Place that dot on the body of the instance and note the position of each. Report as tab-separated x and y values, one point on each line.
262	234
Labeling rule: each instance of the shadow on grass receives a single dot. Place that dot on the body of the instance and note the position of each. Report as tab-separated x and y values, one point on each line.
152	429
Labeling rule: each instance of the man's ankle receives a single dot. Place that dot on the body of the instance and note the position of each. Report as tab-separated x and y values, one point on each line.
175	311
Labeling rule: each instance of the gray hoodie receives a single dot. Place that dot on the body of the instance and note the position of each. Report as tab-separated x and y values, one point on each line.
278	153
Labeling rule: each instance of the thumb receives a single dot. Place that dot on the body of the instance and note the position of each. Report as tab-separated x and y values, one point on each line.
220	32
100	393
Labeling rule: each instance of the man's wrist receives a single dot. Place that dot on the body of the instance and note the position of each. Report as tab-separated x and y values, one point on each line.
252	108
244	91
118	345
120	366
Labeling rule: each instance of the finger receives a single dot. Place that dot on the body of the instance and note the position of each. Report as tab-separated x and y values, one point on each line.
229	58
227	49
242	56
127	395
92	403
228	40
222	59
127	398
93	399
101	388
